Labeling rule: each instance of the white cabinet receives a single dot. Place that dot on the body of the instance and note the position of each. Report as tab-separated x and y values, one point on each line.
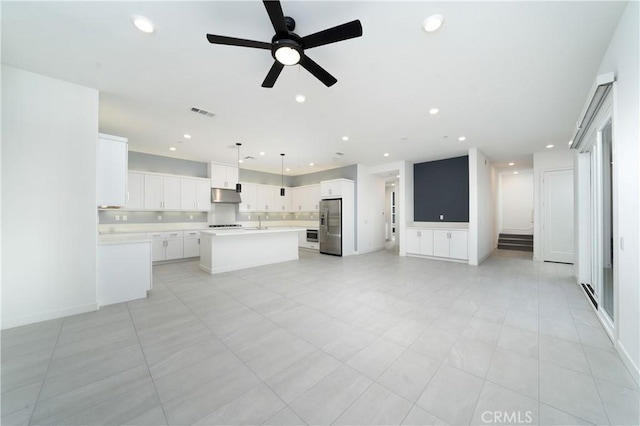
335	188
248	197
195	194
283	204
191	243
223	175
437	242
419	241
265	198
135	191
161	192
305	198
111	171
166	245
450	244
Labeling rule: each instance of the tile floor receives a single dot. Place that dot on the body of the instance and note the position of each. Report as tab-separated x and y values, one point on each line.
371	339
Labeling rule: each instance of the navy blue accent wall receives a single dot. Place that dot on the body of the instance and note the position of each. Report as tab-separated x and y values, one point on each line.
441	188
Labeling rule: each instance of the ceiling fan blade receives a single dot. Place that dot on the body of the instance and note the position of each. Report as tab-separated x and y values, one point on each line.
341	32
274	9
273	74
232	41
317	71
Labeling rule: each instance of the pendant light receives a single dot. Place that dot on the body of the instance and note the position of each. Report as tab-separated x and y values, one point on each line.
282	175
238	186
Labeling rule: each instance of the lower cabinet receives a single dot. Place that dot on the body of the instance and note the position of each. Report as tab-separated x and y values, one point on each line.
443	243
166	245
191	243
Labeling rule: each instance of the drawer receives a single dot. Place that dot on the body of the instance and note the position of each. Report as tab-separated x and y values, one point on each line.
191	234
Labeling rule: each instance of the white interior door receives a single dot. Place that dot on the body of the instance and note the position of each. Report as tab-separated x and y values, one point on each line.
557	221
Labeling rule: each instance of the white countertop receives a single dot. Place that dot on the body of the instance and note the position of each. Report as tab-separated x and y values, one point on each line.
245	231
123	239
438	225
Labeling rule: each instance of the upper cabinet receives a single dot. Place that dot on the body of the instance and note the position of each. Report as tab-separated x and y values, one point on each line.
223	175
266	198
248	197
305	198
334	188
135	191
161	192
111	174
195	194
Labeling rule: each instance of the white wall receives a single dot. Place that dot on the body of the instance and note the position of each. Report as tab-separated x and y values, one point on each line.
516	203
545	161
49	137
371	207
622	59
481	218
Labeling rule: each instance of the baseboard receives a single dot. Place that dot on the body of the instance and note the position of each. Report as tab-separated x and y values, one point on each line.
48	315
446	259
369	250
628	362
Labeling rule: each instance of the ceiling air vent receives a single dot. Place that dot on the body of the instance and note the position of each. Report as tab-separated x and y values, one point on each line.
202	112
248	157
340	153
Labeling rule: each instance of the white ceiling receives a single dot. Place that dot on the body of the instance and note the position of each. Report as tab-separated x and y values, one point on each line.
510	76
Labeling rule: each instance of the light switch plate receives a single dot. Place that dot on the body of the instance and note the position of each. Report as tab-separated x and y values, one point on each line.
441	217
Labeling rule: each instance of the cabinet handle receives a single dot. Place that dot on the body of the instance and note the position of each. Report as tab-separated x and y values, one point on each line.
419	234
128	196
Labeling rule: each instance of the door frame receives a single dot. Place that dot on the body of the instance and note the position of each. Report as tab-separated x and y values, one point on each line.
594	149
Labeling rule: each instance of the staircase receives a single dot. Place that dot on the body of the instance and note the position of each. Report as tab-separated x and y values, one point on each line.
519	242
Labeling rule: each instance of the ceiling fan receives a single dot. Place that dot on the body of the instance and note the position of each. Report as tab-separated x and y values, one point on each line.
287	48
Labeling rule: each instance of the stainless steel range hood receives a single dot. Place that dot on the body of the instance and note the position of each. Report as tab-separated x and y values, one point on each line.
228	196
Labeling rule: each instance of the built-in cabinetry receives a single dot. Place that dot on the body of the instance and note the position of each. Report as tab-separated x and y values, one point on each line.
420	241
191	243
438	243
157	192
111	171
451	243
135	191
195	194
166	245
303	243
305	198
161	192
223	175
264	198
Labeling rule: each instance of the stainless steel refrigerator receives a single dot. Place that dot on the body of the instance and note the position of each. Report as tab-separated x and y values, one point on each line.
330	232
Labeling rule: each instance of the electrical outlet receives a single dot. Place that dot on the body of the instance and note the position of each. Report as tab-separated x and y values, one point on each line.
124	217
117	217
190	217
159	217
441	217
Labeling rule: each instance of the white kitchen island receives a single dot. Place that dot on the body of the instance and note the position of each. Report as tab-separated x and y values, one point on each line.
230	250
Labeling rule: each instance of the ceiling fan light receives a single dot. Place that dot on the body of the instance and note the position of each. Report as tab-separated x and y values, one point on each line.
287	55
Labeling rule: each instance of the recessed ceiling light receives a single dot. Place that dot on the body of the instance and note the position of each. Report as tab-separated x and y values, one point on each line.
393	184
462	138
397	176
515	173
549	146
434	111
386	154
287	169
143	24
172	148
570	142
345	138
432	23
301	98
186	136
261	152
311	164
511	164
239	161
